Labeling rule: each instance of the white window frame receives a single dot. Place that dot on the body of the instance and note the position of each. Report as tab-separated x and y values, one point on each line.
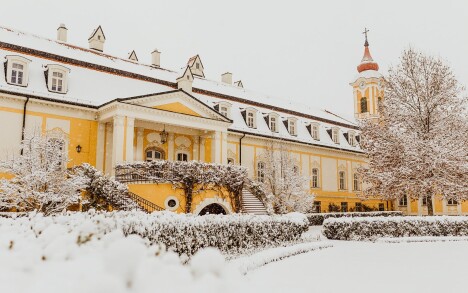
15	59
57	69
292	126
403	201
273	122
315	131
356	182
251	114
336	135
342	180
452	202
153	152
315	177
352	138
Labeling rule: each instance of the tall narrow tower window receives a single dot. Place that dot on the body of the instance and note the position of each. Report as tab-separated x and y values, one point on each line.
364	105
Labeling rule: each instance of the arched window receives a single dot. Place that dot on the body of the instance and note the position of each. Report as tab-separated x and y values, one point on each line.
342	180
153	154
261	171
356	184
315	177
364	105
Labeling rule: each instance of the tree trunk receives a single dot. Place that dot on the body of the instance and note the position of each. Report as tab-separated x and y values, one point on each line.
430	206
188	200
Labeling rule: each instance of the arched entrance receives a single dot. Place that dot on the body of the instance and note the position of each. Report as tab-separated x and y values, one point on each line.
212	209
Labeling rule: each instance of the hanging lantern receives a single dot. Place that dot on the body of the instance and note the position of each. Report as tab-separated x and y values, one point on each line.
163	135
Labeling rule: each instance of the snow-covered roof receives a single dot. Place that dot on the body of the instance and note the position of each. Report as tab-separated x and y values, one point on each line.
97	78
367	74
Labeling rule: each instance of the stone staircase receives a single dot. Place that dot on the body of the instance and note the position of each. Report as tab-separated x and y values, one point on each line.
251	204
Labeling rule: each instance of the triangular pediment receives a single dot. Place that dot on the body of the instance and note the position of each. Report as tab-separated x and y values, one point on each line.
178	102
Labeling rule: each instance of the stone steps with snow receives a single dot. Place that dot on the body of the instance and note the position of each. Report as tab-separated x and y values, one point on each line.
251	204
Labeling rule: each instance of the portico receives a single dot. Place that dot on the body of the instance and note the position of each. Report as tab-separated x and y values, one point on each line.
171	126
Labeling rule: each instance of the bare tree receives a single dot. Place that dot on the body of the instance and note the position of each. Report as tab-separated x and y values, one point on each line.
419	147
288	190
40	179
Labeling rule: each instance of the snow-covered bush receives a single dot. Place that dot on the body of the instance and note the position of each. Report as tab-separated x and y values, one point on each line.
40	179
191	177
183	234
70	254
371	228
318	218
103	191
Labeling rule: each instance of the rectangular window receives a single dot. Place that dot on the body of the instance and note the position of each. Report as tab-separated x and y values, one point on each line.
315	133
352	139
273	124
342	180
317	207
403	202
182	157
292	127
250	119
57	81
261	172
315	178
424	201
335	136
223	111
358	207
17	74
344	207
381	207
452	202
356	184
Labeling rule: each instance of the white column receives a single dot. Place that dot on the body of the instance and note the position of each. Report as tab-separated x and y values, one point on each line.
202	149
139	145
117	142
101	137
108	146
130	132
196	143
444	207
224	147
216	148
170	147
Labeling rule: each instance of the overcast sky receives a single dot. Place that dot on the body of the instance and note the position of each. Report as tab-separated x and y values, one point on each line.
303	51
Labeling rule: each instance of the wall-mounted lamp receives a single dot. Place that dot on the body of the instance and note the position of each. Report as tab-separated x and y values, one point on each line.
78	149
163	134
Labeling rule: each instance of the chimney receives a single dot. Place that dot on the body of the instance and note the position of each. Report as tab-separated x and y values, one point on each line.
226	78
97	39
156	58
62	33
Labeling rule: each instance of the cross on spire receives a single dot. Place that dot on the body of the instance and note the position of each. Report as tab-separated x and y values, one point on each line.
365	33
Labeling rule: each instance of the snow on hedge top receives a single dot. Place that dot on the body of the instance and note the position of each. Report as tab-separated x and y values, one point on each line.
399	219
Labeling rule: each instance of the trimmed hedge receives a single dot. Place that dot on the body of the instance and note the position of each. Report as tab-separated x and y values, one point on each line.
378	227
318	218
182	233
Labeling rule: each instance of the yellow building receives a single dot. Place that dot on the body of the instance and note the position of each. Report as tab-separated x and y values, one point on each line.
118	110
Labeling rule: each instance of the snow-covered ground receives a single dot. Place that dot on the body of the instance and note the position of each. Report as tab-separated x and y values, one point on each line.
370	267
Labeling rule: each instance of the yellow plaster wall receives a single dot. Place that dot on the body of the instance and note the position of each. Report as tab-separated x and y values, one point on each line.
158	193
208	143
179	108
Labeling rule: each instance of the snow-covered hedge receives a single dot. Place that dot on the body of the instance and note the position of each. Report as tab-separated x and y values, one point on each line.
62	254
184	234
372	228
317	219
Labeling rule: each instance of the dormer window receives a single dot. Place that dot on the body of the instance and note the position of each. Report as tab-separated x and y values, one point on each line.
250	119
56	78
272	122
314	130
17	70
224	108
291	125
198	65
351	138
335	135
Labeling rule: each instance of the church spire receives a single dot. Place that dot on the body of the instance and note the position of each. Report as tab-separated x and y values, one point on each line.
367	63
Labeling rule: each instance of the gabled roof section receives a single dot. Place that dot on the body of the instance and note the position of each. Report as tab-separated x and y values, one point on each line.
177	101
186	72
96	31
193	61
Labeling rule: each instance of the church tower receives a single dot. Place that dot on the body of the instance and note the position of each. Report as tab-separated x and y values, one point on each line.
368	86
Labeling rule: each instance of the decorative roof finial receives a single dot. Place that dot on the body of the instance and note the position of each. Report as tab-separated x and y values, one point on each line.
366	44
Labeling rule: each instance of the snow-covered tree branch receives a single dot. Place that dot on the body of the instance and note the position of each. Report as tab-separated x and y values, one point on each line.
419	147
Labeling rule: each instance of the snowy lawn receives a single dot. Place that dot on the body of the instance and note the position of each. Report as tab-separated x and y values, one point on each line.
370	267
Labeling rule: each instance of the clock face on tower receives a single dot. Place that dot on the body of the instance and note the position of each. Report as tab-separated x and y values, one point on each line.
362	84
